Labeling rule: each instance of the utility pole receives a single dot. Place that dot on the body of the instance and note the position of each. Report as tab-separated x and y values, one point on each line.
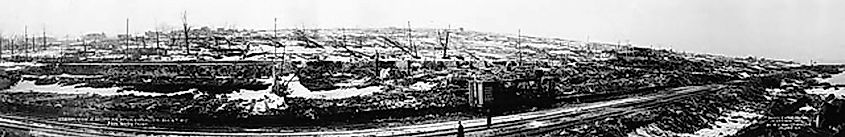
275	51
157	41
34	43
84	47
410	42
12	43
26	39
185	28
44	37
446	46
518	47
440	39
275	32
126	45
1	45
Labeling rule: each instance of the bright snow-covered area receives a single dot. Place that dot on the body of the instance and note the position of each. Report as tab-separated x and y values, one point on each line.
49	52
834	80
733	122
354	82
29	86
422	86
62	76
561	52
13	68
258	101
339	93
12	64
297	90
178	58
542	46
838	92
774	90
230	58
807	108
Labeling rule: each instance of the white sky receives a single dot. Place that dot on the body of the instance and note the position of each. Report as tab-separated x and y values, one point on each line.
786	29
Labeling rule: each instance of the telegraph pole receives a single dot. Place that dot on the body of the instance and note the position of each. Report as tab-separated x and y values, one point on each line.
26	40
446	46
275	32
518	47
1	45
12	43
84	47
410	42
185	28
275	51
44	37
126	45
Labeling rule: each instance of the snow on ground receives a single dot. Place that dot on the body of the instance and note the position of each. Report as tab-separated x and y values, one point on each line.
258	101
29	86
835	80
13	64
838	92
733	122
542	46
566	52
13	68
339	93
297	90
422	86
354	82
727	125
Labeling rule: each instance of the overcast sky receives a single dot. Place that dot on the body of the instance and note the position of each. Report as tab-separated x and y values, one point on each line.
786	29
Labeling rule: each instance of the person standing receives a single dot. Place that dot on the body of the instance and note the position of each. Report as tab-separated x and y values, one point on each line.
460	129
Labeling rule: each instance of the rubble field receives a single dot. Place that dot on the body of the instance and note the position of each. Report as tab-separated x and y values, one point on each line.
739	110
339	79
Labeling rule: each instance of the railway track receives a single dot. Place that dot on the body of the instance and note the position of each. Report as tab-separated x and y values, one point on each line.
510	125
561	120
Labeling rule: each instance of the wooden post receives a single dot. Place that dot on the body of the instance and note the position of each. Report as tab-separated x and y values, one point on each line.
275	47
126	45
26	40
518	47
446	46
13	46
185	28
1	45
43	37
410	42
